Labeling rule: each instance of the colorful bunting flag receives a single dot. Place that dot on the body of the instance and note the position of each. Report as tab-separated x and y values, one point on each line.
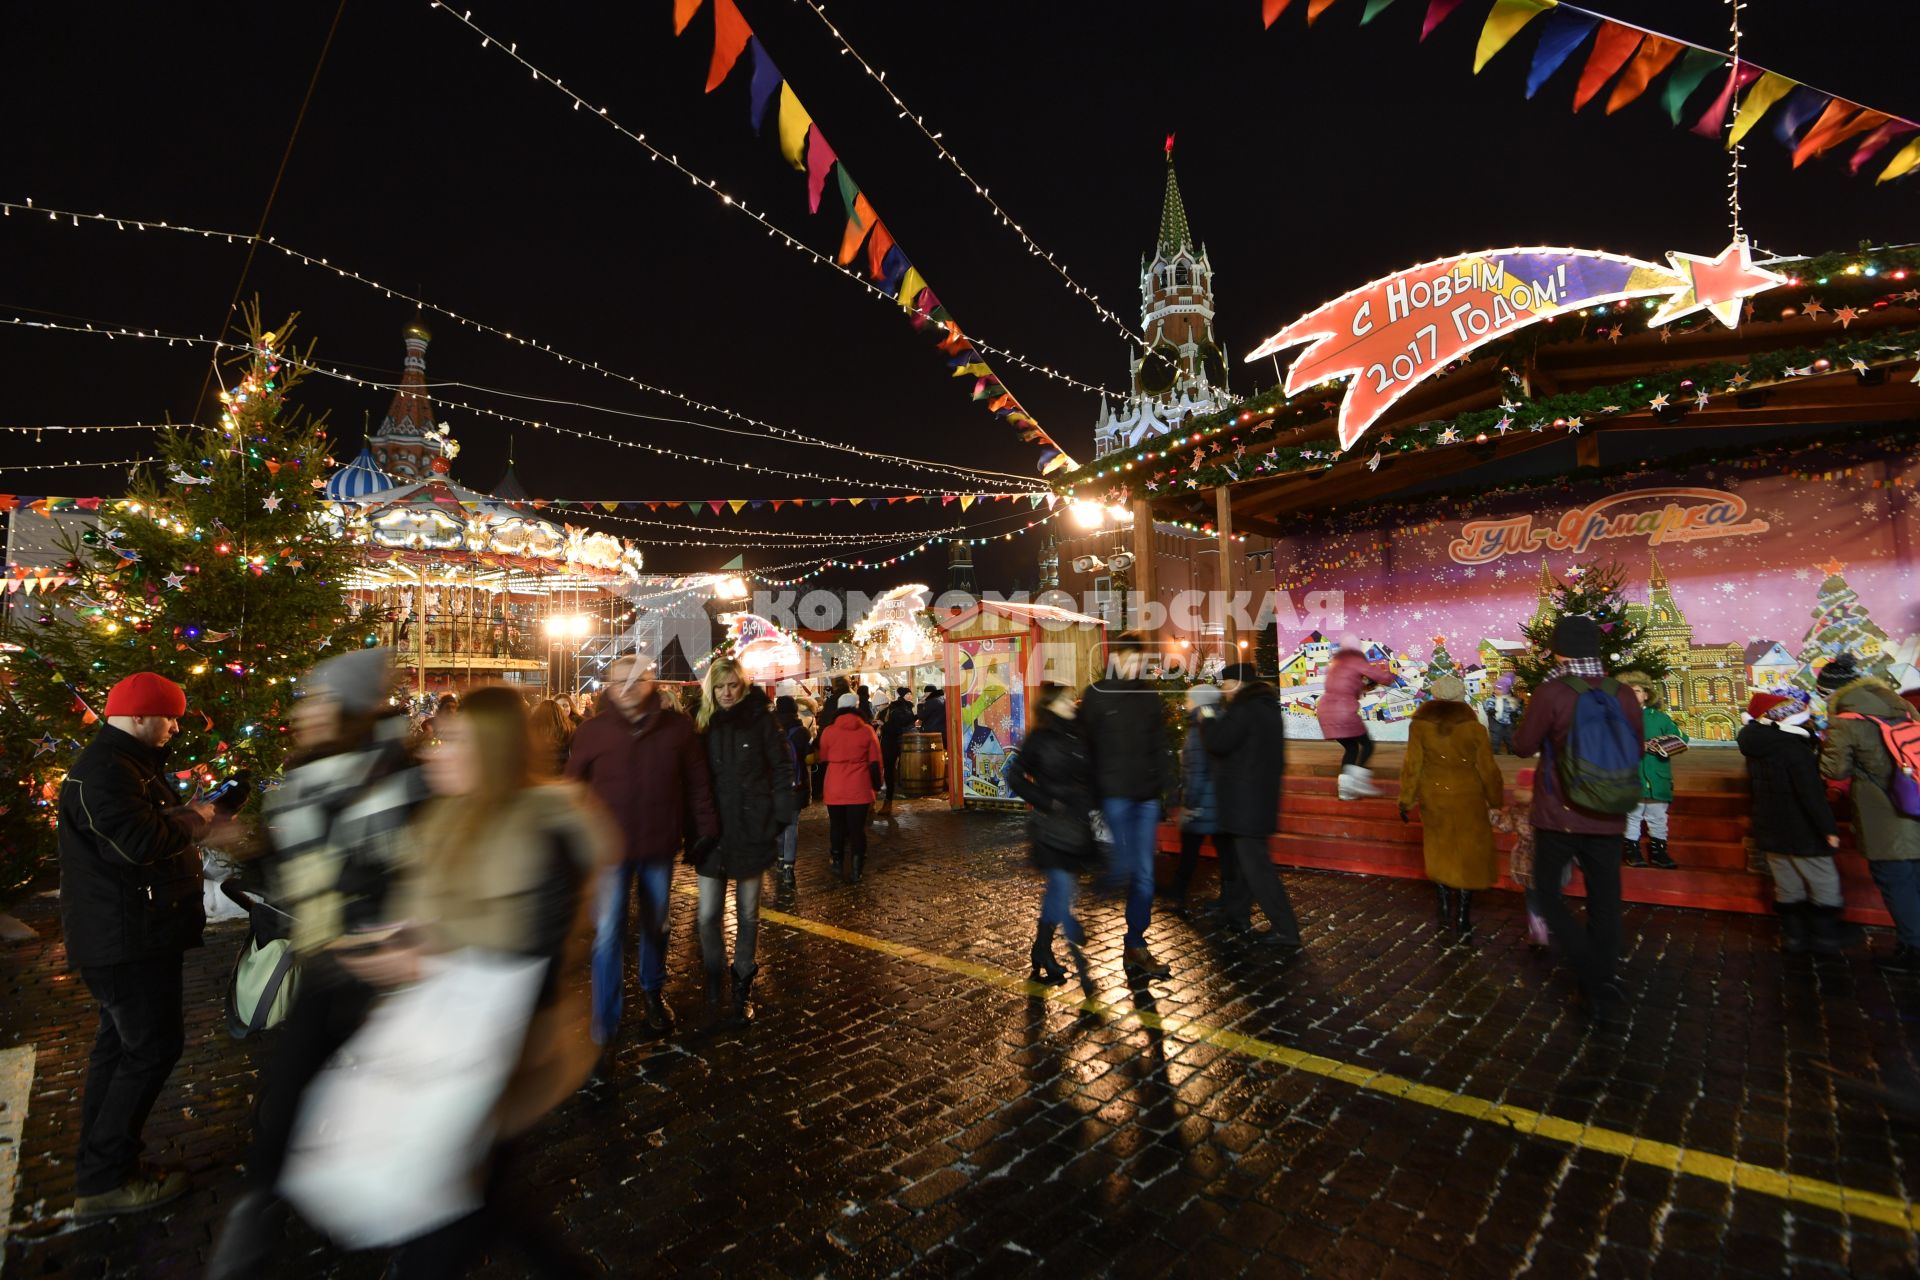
879	241
765	84
1831	130
1271	9
1802	105
1438	11
1373	10
910	289
1903	162
1315	8
730	36
1611	49
1566	30
856	231
1877	139
1656	52
1696	66
820	161
1766	92
1504	22
1714	118
794	123
683	11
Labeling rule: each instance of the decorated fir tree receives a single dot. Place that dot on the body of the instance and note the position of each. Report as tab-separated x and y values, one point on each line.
1593	591
218	570
1442	663
1840	625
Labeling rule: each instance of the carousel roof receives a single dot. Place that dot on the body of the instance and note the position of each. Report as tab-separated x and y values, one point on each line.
358	478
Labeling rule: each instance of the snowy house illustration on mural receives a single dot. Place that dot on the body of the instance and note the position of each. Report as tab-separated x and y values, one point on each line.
1182	371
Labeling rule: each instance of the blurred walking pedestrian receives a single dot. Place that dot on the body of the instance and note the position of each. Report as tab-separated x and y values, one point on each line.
334	833
786	714
1132	770
1449	774
1347	675
1248	743
552	737
1199	802
1053	772
130	908
643	760
753	795
851	755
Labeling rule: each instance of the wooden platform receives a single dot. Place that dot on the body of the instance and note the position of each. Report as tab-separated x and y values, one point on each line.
1709	827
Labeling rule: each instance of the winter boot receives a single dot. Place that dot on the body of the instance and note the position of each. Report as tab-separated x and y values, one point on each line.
247	1238
1832	935
1082	969
1657	855
716	975
1357	783
858	867
742	984
1463	915
838	862
1445	895
1795	927
659	1017
1630	853
1046	969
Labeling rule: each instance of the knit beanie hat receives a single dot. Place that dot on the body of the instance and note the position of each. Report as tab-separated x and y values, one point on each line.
848	702
1244	672
146	693
1576	636
359	681
1838	673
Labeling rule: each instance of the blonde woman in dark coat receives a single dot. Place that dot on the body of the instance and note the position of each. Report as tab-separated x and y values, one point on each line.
1449	774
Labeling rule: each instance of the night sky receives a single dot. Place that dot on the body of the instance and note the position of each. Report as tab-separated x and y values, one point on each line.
1311	161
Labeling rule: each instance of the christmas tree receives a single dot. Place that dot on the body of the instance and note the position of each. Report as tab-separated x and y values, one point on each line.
219	570
1593	591
1442	663
1840	625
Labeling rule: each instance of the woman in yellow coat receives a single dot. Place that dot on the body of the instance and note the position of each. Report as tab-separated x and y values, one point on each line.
1450	774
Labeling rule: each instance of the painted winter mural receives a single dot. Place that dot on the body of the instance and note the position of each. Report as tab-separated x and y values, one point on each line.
1746	574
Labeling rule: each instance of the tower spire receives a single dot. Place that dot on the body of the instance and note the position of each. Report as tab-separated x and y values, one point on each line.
1174	232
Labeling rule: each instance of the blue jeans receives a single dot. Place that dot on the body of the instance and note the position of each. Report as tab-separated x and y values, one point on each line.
1899	884
610	938
790	843
1134	824
1056	905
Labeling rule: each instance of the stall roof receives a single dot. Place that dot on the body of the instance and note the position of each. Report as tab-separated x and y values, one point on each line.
1024	612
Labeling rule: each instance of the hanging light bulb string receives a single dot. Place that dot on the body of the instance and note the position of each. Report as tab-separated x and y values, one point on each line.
1735	161
73	219
512	50
60	466
375	384
979	188
823	566
57	431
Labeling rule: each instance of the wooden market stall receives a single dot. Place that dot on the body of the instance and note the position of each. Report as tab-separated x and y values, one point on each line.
997	655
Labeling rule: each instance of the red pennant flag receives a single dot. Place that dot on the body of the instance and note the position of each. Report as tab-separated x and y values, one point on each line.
834	502
1714	119
820	160
717	504
877	245
1840	121
891	501
778	503
730	36
653	506
1611	48
955	341
1656	54
945	498
683	11
1271	9
1438	11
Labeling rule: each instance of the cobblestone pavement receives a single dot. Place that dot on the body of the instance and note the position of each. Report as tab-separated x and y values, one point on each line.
903	1104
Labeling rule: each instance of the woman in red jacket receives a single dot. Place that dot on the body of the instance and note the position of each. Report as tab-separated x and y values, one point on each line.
851	753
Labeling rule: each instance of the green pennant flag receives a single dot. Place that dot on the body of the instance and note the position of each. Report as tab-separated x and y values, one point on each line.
1696	65
1373	10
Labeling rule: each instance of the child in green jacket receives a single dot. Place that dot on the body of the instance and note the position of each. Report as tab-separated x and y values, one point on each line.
1656	776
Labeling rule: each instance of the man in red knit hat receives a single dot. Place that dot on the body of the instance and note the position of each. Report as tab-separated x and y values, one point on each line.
130	906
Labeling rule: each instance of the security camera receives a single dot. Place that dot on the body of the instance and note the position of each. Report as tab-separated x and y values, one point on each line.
1086	564
1121	563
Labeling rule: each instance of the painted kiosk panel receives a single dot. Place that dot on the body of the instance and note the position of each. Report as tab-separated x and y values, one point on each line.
997	656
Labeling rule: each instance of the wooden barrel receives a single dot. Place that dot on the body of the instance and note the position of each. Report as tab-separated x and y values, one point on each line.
923	764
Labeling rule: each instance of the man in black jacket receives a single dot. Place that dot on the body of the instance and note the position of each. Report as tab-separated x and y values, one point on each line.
894	727
1132	769
1248	743
932	716
130	906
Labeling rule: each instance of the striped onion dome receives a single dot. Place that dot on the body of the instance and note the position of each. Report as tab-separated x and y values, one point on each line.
358	478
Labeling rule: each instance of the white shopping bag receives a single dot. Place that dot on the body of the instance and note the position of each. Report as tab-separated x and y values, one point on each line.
214	871
392	1132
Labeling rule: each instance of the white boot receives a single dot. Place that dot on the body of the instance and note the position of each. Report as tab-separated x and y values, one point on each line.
1363	781
1346	783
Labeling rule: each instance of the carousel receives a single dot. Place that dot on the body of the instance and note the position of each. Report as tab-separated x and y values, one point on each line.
467	587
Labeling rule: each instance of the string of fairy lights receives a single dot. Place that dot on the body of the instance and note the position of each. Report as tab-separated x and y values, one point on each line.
749	425
888	562
979	188
512	50
57	431
328	371
62	466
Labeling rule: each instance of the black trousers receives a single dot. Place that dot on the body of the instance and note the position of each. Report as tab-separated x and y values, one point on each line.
893	770
847	833
1355	750
1190	842
504	1220
1255	880
142	1032
1594	952
327	1011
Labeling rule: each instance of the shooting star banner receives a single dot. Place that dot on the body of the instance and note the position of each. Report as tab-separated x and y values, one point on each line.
1394	333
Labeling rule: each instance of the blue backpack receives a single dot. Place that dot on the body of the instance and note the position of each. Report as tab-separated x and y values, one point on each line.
1599	770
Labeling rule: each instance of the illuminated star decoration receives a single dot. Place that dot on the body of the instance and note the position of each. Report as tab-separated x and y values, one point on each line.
1845	316
1573	426
1449	436
1373	463
324	642
1613	334
174	581
272	503
1859	365
1814	308
1537	427
1658	402
1504	425
1715	285
1700	401
44	743
1738	380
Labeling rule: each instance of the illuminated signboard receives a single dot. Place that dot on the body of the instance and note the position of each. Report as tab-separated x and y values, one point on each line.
1392	334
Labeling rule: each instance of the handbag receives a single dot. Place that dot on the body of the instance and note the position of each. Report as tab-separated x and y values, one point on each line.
393	1130
265	976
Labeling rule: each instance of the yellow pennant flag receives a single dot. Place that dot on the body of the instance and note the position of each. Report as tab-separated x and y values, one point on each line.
910	288
794	122
736	504
1766	91
966	500
1904	162
973	369
1503	24
854	502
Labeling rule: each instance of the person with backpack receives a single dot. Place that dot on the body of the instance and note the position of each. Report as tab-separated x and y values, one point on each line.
1053	772
1587	730
1656	776
1793	824
1873	740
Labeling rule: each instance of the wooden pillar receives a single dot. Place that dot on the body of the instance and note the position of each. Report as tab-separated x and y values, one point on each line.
1586	451
1223	524
1146	577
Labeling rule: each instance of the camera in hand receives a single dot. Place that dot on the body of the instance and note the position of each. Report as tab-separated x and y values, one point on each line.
231	794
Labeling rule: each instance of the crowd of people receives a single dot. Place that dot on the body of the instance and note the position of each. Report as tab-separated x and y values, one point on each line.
481	859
